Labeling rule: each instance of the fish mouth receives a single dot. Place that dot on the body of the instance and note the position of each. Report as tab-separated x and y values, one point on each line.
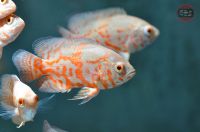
131	74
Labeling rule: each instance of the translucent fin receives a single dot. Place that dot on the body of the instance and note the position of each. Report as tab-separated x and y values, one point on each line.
6	111
17	119
86	94
43	102
79	21
1	52
48	128
23	61
21	124
45	45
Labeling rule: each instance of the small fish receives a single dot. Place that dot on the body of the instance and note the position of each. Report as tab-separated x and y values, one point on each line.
10	28
112	28
18	101
48	128
7	7
73	63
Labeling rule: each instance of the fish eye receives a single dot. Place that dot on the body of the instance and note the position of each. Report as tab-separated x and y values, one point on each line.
10	20
119	67
21	102
148	30
3	1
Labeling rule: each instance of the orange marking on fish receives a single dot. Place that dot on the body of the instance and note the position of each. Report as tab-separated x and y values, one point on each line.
121	79
109	44
103	58
102	77
70	72
120	30
110	78
6	35
68	82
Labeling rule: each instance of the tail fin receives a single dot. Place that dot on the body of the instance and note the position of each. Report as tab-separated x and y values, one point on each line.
6	92
25	64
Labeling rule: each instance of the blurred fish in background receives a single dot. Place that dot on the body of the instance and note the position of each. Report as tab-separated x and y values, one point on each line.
112	28
48	128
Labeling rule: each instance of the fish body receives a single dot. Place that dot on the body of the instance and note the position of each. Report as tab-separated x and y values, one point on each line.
73	63
114	29
18	101
10	28
48	128
7	7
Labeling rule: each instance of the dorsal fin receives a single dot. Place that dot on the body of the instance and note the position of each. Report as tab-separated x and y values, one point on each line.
46	45
80	20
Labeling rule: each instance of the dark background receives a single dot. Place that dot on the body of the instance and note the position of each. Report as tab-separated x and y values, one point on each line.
164	96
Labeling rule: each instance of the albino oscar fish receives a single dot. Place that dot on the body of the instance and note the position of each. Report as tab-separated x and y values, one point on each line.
112	28
18	101
48	128
7	7
10	28
64	64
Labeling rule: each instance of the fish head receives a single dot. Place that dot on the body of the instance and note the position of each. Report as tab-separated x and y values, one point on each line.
142	36
28	107
27	103
10	27
7	7
118	71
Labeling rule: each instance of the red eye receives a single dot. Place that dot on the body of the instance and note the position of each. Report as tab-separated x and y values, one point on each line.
149	30
119	67
21	101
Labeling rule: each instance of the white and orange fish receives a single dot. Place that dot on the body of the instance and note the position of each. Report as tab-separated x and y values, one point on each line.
7	7
18	101
73	63
10	28
112	28
48	128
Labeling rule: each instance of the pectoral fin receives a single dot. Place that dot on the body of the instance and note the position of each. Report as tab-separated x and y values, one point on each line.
86	94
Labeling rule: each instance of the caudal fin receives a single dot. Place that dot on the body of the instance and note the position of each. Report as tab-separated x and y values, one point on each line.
26	64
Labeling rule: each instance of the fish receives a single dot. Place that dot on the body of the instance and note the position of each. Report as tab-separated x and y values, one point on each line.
10	28
48	128
63	64
7	7
112	28
18	101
